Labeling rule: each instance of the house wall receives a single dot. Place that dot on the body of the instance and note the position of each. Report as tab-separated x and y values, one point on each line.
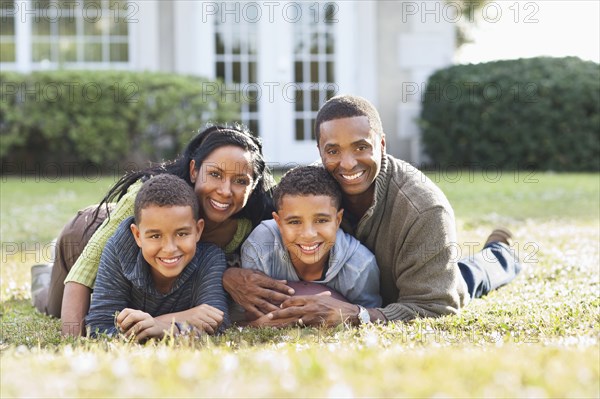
413	40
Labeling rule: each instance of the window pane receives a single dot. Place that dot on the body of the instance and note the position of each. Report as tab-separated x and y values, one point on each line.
92	52
329	43
253	126
252	97
314	72
7	27
91	28
119	52
313	136
330	68
300	129
252	72
7	52
299	100
120	28
42	52
67	27
221	70
67	50
237	72
314	100
41	27
219	45
298	71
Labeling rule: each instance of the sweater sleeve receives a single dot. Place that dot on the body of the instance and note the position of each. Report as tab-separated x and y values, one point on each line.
111	294
86	267
209	285
425	269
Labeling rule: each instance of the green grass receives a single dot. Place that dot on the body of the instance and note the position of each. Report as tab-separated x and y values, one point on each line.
537	337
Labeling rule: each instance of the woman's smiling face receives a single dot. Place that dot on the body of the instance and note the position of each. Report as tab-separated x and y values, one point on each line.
223	183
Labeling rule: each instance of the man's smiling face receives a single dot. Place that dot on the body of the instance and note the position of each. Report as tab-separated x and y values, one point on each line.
352	152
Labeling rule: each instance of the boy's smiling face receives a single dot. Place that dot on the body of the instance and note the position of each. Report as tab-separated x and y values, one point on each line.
167	236
308	226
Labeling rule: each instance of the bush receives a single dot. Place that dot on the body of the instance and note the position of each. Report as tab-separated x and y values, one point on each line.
538	113
103	118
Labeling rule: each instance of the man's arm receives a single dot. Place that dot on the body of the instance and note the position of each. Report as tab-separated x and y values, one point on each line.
428	280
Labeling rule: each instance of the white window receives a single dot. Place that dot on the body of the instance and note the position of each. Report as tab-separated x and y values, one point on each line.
314	64
236	64
66	33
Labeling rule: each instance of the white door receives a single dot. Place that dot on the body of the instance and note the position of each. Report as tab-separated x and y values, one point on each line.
283	58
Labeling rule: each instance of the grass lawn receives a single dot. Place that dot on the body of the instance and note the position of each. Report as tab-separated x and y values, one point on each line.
537	337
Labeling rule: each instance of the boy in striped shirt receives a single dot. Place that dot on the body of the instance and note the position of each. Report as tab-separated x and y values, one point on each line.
154	274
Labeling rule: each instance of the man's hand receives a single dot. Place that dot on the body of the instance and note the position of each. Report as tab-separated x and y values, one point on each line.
311	310
204	318
255	291
142	325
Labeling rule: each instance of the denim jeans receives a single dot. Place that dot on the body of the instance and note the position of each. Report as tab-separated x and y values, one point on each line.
492	267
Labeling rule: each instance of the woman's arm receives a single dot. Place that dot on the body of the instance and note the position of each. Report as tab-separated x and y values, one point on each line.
86	267
74	309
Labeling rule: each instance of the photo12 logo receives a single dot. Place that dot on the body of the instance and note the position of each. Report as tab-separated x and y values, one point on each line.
53	11
253	12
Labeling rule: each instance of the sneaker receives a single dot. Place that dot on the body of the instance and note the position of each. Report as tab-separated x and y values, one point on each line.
40	283
500	234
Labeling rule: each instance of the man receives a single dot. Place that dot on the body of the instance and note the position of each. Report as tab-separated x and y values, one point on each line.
401	216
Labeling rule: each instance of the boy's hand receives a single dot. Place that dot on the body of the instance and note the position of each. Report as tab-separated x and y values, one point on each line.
255	291
203	318
141	324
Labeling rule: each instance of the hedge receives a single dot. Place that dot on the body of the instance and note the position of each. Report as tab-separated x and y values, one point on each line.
538	113
103	118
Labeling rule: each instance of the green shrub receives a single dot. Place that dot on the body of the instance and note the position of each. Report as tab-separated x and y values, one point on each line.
103	118
538	113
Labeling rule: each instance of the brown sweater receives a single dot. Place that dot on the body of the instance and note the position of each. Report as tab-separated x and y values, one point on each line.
410	228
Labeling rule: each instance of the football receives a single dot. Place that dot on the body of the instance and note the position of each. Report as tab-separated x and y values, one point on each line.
310	288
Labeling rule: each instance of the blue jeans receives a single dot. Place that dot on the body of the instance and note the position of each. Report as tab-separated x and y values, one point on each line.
493	267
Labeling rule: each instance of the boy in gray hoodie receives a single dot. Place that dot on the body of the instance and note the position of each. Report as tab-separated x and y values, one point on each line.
304	241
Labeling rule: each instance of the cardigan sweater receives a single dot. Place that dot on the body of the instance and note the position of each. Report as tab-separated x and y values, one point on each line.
411	230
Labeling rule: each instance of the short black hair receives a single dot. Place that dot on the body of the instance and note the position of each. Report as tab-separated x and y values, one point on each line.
307	180
348	106
165	190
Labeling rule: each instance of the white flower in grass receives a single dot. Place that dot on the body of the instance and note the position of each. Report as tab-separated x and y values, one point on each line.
229	363
121	368
340	391
371	339
84	363
188	370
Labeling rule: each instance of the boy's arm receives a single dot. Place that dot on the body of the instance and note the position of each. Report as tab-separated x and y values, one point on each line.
364	290
209	300
111	293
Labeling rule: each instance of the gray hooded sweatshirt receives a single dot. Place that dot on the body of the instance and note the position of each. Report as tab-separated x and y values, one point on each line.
352	269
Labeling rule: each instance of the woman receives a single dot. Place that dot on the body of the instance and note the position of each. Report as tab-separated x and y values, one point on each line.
225	167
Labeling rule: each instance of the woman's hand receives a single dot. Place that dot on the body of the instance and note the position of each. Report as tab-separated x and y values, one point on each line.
255	291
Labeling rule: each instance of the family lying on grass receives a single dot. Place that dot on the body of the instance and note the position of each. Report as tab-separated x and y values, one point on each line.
377	231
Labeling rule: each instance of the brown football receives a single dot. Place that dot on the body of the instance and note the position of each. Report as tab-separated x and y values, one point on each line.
310	288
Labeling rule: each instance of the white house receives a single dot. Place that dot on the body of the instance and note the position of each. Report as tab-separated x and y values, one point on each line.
286	57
